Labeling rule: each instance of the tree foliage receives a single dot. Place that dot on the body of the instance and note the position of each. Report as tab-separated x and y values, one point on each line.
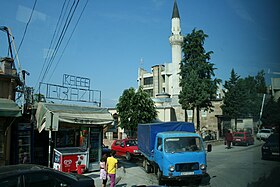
233	99
271	112
243	97
135	107
198	85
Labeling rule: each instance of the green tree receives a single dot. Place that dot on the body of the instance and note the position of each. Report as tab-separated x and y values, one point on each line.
234	95
196	71
243	97
260	83
254	88
135	107
271	112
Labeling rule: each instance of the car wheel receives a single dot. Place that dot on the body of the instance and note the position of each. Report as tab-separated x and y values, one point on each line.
233	143
128	156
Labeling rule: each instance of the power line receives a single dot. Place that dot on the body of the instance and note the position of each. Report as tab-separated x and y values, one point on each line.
54	34
26	27
61	37
69	38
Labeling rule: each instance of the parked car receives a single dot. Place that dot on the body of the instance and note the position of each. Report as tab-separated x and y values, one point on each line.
270	148
242	138
263	134
40	176
126	147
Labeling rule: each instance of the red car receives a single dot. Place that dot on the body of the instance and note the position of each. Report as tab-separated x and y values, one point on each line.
242	138
126	147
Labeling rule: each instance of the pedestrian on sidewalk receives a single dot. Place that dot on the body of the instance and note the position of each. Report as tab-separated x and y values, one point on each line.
228	139
103	172
111	166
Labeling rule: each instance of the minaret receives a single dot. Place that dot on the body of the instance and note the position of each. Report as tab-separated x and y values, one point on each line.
176	40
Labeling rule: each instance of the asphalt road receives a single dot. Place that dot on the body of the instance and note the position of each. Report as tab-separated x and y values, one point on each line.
239	166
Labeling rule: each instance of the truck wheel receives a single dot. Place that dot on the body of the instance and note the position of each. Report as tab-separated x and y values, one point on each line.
128	156
144	162
148	168
159	176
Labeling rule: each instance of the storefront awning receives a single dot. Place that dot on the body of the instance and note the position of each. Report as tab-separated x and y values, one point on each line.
48	115
8	108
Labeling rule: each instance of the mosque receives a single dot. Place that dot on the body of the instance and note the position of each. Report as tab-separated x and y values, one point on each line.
162	84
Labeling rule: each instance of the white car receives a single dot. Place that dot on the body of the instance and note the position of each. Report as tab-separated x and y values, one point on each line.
263	134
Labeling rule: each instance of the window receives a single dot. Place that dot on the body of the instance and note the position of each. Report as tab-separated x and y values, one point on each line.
159	144
117	142
148	80
183	144
163	78
203	113
190	113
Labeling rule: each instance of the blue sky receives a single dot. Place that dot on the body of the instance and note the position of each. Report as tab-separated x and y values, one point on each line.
113	35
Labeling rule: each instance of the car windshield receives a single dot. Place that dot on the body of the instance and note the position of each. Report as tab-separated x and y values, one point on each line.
239	135
265	131
131	143
182	144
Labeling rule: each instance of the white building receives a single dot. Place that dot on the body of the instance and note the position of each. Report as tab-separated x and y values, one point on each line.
162	83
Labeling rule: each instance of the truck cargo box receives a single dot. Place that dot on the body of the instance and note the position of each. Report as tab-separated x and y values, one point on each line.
147	133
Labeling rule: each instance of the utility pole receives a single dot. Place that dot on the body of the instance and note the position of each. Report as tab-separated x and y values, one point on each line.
50	142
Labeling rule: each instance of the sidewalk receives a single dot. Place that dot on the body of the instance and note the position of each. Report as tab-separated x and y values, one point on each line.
97	180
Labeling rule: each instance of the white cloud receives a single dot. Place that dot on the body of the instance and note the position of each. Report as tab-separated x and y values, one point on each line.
240	10
23	15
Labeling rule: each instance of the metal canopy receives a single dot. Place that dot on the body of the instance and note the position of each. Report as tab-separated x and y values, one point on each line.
8	108
48	116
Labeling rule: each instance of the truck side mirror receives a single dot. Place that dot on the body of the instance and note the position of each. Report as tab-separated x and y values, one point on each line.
209	148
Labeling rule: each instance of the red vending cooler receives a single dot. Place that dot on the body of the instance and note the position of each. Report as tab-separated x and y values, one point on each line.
70	159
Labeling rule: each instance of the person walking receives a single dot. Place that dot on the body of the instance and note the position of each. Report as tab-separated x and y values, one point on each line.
111	167
103	172
228	139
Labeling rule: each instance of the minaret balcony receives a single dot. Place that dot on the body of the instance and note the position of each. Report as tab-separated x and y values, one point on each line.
176	39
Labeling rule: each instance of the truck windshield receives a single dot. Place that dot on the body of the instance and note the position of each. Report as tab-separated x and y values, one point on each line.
182	144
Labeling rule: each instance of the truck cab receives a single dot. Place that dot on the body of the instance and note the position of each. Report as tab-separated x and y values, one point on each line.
179	155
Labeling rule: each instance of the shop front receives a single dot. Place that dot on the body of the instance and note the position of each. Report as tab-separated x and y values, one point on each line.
9	115
75	134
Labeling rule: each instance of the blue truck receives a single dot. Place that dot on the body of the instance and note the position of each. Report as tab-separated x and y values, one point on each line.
173	151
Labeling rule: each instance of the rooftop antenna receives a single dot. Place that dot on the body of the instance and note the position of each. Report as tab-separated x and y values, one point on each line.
141	62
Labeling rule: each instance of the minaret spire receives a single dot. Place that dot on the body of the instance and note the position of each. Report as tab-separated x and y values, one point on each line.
175	13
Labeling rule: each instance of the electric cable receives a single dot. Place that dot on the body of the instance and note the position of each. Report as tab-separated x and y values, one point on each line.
54	34
26	27
69	38
65	27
